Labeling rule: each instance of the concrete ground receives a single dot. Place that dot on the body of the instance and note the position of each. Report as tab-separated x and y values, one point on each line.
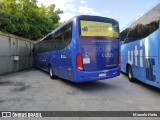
33	90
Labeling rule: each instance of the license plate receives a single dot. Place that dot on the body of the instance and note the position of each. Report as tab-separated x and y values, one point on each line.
86	60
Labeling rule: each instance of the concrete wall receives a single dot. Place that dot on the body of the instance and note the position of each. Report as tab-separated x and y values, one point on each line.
15	53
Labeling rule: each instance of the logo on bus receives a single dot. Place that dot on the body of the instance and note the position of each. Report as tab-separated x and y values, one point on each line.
133	54
85	29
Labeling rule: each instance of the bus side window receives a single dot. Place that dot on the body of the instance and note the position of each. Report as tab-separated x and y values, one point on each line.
46	45
58	39
52	43
124	35
142	28
67	34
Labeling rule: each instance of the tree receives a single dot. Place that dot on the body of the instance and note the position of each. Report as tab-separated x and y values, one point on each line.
26	19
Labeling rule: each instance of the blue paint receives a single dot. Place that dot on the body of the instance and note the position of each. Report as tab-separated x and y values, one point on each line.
101	57
149	73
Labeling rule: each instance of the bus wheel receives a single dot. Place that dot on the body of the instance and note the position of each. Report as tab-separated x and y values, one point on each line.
52	76
130	74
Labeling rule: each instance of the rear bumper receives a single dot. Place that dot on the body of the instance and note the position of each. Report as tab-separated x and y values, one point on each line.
84	76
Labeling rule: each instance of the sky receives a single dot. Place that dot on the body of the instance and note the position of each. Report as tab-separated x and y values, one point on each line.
124	11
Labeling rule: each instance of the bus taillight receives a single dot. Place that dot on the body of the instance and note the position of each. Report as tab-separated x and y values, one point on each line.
119	59
79	63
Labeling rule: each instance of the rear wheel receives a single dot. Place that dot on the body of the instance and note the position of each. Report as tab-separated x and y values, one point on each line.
51	73
130	74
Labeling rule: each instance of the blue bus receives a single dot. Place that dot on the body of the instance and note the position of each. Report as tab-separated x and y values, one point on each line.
140	51
86	48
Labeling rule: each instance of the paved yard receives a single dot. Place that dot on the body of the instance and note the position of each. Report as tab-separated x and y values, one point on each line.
33	90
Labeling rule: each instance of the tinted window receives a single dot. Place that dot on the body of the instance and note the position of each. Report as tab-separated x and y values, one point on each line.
63	37
67	34
143	27
58	40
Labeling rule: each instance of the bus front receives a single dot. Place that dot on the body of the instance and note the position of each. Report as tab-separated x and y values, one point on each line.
98	55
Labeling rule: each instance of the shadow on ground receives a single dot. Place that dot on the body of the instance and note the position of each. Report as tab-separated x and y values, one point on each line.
146	86
92	86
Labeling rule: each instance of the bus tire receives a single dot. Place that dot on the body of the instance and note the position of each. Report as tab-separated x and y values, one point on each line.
51	73
130	74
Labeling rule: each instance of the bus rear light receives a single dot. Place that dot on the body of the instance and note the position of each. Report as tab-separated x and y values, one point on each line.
79	63
119	59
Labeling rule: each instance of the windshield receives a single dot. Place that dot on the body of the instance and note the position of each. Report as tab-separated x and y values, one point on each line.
99	29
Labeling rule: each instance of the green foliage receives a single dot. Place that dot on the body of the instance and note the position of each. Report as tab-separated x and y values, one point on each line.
26	19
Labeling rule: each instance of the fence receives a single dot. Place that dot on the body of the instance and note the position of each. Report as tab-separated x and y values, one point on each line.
15	53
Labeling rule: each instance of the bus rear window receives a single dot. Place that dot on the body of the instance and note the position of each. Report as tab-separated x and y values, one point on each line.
98	29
